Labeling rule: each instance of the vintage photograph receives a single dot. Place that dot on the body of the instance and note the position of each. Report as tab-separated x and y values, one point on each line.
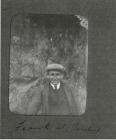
48	64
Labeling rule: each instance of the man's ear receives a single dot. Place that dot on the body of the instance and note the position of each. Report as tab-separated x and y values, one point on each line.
47	75
62	76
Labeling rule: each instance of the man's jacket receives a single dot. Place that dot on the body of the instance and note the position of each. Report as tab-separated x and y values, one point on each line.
35	99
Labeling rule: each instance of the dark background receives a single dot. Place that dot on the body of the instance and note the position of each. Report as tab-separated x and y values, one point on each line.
101	100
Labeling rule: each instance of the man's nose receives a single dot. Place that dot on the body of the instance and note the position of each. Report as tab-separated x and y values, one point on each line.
55	76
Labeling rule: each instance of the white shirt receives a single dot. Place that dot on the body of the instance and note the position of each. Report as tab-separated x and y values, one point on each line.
58	86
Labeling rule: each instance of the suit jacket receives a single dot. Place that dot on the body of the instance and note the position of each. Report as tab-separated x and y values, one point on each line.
39	104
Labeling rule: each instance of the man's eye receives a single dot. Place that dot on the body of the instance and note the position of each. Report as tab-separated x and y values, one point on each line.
54	74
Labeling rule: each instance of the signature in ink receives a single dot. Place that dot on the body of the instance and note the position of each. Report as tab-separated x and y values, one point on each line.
21	126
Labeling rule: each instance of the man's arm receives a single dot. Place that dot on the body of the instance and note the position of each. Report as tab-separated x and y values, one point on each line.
80	99
35	104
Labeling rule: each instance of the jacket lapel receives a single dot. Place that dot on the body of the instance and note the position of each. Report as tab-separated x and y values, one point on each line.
69	94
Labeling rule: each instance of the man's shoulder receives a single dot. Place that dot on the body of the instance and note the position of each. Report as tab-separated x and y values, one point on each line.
68	84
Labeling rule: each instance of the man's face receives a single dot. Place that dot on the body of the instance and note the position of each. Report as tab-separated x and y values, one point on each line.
55	77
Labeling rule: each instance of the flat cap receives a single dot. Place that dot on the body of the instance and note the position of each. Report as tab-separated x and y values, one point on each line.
55	67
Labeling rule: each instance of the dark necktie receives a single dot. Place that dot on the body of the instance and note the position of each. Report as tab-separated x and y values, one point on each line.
55	87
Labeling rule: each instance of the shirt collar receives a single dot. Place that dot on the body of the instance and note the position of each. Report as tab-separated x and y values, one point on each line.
58	86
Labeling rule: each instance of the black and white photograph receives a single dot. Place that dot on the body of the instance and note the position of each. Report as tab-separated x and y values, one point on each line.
48	64
58	69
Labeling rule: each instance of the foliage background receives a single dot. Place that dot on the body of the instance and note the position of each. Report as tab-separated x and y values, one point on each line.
37	40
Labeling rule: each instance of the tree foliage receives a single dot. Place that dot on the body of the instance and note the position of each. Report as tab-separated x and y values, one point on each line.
38	40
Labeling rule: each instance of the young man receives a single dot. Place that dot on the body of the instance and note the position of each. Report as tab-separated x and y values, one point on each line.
56	96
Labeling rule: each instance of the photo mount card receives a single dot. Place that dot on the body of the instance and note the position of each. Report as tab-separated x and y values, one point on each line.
95	68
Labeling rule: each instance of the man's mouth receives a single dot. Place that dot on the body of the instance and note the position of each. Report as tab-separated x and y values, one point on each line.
55	82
